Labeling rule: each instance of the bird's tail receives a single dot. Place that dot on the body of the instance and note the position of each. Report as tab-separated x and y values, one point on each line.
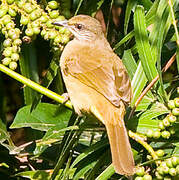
122	156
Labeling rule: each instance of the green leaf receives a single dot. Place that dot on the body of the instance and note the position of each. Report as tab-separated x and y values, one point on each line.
44	117
130	5
107	173
129	62
147	4
28	66
143	45
4	135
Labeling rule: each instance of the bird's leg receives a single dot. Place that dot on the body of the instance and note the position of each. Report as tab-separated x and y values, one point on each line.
66	97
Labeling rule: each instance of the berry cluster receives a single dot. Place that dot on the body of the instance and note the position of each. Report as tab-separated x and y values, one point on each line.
165	126
142	175
34	20
168	169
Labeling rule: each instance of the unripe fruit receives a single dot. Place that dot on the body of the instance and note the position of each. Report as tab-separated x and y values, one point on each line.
6	61
172	130
172	118
62	30
65	39
7	52
149	133
160	153
57	39
36	30
175	161
28	7
15	49
166	122
43	18
7	42
26	39
35	14
161	125
12	12
167	178
176	101
171	104
160	170
53	5
20	3
140	171
177	169
158	176
12	33
49	24
10	25
172	172
24	20
3	11
175	111
147	177
52	34
6	19
139	178
35	24
17	42
43	32
165	169
13	65
54	14
15	56
169	163
165	134
29	32
156	134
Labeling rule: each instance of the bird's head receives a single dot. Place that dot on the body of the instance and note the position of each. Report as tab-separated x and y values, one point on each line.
83	27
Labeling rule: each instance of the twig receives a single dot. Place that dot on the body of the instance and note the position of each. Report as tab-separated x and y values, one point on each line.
35	86
141	140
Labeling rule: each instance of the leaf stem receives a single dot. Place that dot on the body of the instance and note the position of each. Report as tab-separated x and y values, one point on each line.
35	86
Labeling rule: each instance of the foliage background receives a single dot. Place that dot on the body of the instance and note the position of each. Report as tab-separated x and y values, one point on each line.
40	137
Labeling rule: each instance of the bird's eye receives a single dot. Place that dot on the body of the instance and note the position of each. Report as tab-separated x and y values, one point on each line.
79	26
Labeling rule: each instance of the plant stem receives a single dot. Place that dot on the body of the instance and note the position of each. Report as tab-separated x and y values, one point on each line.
35	86
141	140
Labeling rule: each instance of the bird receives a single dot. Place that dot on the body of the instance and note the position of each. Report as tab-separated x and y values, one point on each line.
98	84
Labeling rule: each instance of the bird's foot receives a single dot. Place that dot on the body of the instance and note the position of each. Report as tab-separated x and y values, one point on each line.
66	97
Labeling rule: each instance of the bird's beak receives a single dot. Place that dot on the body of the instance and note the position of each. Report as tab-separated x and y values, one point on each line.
61	23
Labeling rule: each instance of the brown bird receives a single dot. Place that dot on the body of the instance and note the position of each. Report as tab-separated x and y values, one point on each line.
97	83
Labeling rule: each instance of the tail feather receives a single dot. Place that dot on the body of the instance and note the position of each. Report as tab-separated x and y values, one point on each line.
122	157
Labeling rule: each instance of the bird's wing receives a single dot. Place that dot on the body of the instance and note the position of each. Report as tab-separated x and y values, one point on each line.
106	75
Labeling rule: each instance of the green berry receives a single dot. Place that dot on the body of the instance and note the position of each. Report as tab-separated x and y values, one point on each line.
15	49
161	125
54	14
175	161
7	42
43	18
28	7
165	134
57	39
171	104
160	170
147	177
12	65
149	133
10	1
177	169
20	3
15	56
17	42
140	171
156	134
27	39
158	176
167	178
3	11
62	30
43	32
139	178
160	153
65	39
169	163
172	172
53	5
29	32
10	25
49	24
172	118
6	19
176	101
52	34
60	18
4	30
165	169
166	122
24	20
35	24
175	111
13	34
172	130
36	30
12	12
35	14
7	52
6	61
